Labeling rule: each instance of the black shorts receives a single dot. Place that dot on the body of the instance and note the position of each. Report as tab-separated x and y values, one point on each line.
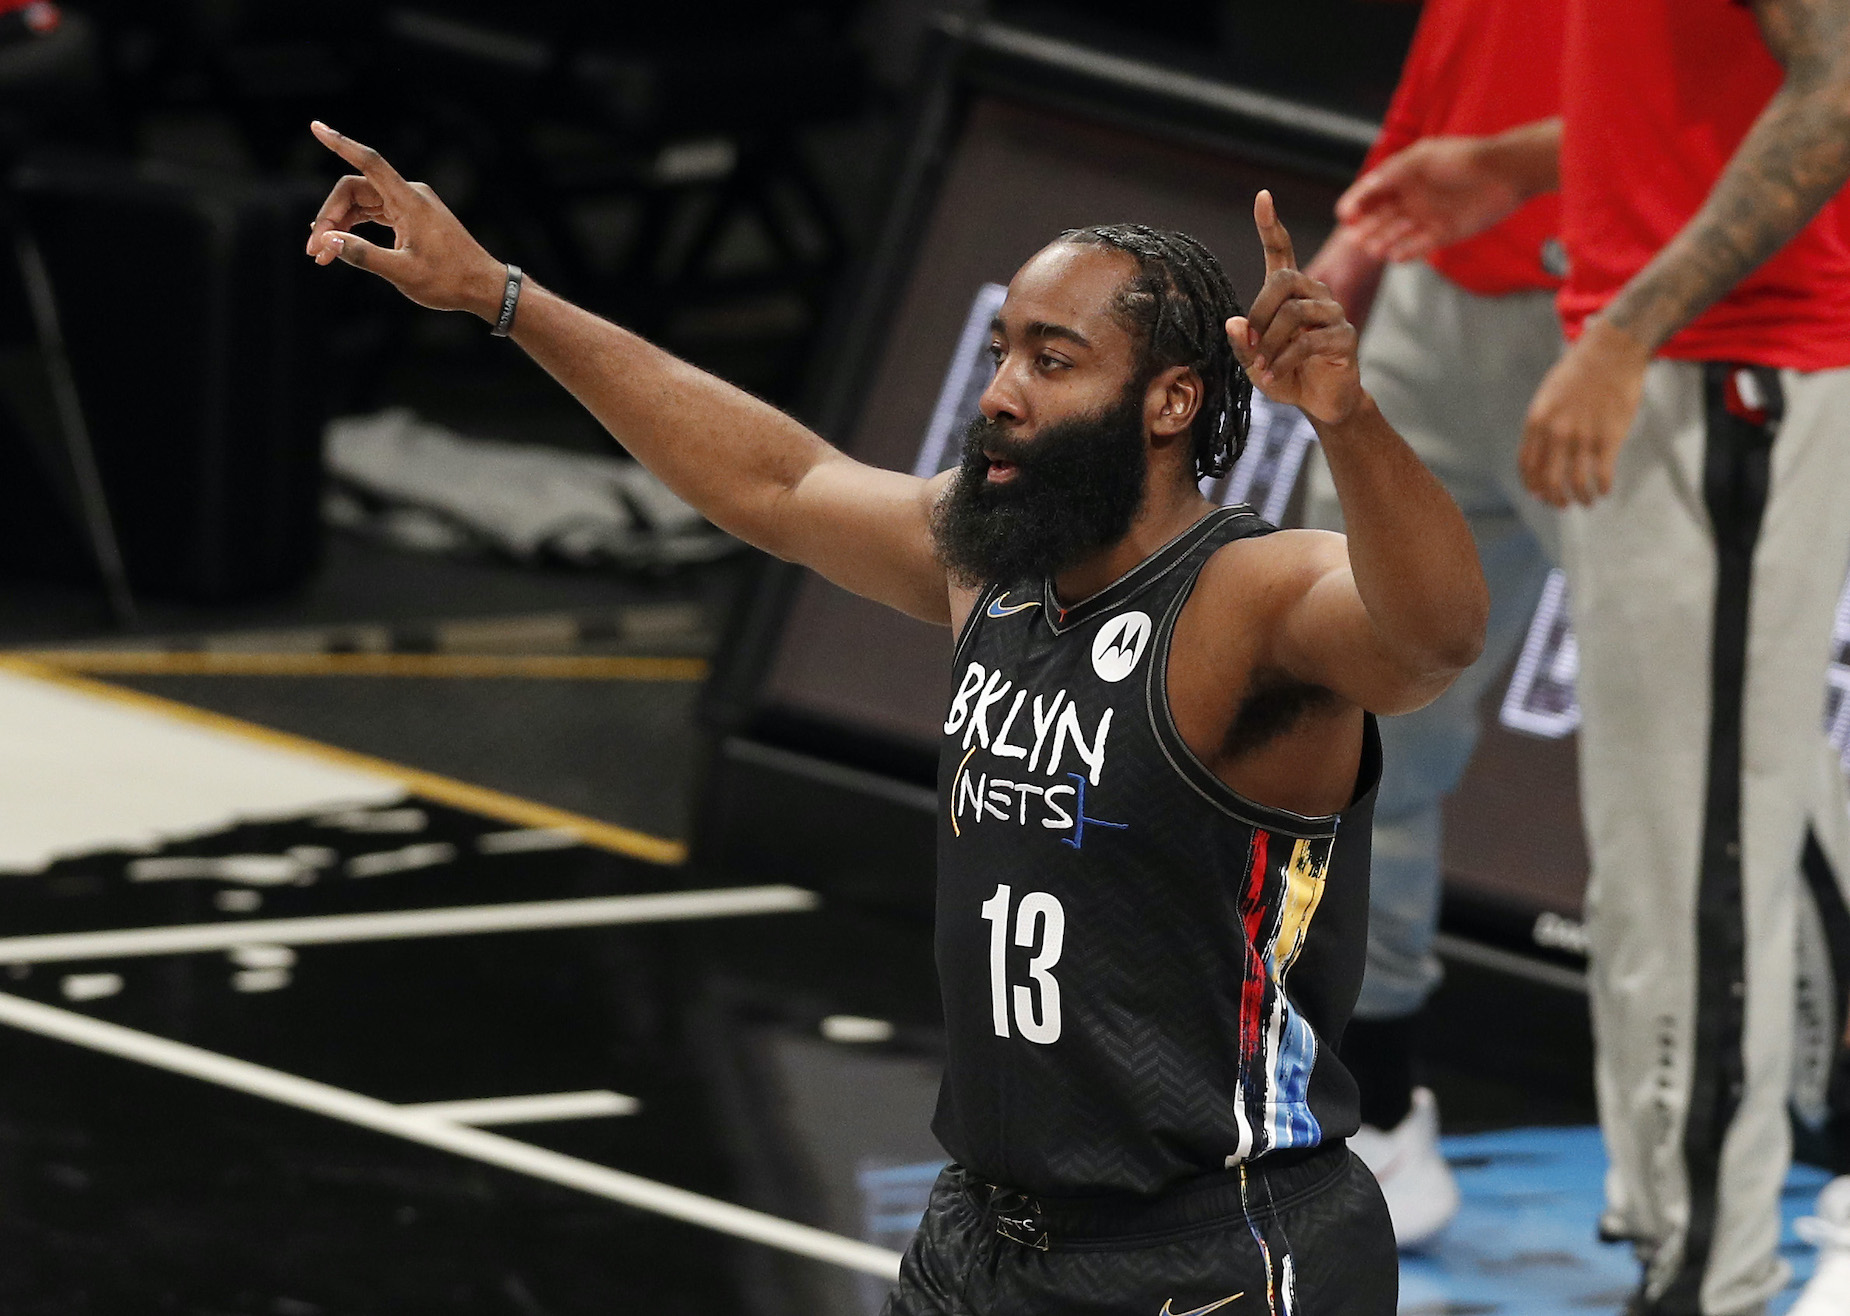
1308	1238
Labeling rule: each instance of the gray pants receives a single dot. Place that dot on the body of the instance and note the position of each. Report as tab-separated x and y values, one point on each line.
1453	372
1703	592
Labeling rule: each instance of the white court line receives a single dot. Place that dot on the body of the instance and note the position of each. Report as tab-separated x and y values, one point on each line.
489	1148
597	911
528	1110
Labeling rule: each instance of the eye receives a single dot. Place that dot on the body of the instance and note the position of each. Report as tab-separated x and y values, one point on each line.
995	354
1048	361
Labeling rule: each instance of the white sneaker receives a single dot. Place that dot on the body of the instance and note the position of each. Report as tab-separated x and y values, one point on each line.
1422	1195
1828	1292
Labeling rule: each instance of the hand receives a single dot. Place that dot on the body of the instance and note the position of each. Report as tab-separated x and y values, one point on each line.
1581	415
1438	191
432	260
1351	274
1294	343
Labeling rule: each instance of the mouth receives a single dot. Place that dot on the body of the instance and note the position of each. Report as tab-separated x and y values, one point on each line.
1001	471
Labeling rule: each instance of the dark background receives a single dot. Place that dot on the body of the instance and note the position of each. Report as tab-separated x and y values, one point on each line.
709	175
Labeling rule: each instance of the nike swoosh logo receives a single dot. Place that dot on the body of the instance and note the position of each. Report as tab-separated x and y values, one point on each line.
997	610
1169	1308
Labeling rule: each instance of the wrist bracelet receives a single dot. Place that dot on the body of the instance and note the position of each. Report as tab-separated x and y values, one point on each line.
510	298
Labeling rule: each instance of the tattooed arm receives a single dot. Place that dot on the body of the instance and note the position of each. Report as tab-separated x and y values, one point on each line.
1793	160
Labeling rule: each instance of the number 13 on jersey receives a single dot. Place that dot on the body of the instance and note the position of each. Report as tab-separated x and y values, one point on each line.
1040	923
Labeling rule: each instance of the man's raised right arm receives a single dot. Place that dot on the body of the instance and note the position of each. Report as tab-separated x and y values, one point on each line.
748	467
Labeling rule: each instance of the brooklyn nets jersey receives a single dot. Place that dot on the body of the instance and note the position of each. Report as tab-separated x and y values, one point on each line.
1144	974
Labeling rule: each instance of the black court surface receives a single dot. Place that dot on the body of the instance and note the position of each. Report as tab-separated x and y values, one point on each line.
287	1027
354	983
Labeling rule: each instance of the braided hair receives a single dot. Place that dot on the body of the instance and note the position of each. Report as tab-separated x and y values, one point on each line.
1177	305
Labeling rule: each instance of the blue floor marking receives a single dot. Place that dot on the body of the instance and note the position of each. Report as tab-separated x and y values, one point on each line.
1523	1243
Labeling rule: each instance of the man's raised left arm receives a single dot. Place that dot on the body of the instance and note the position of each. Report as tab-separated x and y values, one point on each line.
1387	616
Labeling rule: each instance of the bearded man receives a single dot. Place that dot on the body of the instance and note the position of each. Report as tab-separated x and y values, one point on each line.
1159	762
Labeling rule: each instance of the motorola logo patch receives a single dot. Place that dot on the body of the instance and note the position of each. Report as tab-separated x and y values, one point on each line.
1119	644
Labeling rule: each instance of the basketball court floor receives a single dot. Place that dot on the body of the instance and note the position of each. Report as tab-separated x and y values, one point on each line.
366	983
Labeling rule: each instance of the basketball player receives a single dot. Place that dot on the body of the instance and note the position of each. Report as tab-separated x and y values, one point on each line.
1158	764
1698	432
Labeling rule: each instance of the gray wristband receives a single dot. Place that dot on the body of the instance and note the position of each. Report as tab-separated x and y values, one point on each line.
509	300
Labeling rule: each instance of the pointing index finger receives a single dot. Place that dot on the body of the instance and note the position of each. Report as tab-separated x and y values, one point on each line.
1272	235
376	167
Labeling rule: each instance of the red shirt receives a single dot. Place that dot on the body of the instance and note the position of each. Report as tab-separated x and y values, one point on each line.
1656	96
1476	67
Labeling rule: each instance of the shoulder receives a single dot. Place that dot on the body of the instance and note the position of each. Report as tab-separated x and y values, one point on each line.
1265	572
964	599
1245	594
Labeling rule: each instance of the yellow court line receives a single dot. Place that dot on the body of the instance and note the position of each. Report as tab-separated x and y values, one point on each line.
557	667
444	790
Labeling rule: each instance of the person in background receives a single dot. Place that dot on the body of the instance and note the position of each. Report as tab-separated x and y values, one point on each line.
1698	431
1453	348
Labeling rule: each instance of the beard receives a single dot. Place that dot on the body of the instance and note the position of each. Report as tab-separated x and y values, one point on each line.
1077	486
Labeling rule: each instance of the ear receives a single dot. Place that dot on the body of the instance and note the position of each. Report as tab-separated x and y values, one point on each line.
1171	402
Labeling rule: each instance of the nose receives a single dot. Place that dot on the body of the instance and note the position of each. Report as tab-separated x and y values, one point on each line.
1001	400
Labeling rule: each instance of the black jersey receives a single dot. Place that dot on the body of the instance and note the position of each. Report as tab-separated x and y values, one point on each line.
1144	974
